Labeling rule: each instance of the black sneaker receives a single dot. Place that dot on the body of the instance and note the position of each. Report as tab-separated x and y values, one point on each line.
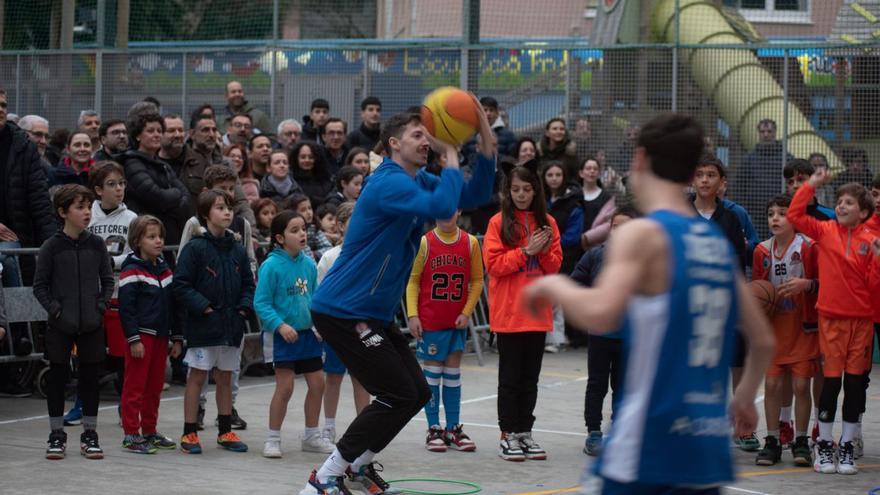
800	451
201	419
771	453
57	445
236	421
88	445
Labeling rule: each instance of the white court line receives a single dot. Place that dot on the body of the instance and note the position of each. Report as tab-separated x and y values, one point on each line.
743	490
108	408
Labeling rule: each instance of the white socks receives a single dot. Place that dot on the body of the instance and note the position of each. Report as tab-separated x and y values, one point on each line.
335	465
363	460
785	414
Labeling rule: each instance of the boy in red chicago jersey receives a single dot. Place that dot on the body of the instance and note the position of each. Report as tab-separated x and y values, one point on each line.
444	286
849	276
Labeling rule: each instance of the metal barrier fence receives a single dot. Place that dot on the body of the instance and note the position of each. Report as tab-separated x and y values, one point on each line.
820	101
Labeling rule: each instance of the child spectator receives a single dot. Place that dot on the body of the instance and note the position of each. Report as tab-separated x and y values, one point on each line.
146	308
564	205
74	283
278	185
521	244
334	370
265	210
318	242
349	181
444	287
284	294
849	275
796	172
359	158
788	260
214	282
326	218
604	352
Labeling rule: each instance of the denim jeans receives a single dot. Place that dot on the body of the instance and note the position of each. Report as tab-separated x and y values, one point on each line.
11	272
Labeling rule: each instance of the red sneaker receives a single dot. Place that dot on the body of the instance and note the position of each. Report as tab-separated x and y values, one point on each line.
786	434
458	440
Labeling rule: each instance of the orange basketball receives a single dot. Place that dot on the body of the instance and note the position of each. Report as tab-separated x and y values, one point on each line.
765	294
451	115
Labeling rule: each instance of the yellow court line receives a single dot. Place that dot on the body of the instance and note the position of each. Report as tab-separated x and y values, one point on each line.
752	474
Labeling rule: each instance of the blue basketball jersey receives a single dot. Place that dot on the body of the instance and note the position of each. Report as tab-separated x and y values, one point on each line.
671	425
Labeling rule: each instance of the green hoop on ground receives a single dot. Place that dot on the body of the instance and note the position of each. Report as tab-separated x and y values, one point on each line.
474	488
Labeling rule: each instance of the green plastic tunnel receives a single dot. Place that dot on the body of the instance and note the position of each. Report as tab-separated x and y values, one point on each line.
744	92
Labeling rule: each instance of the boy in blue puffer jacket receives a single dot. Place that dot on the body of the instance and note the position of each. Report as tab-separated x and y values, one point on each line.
214	282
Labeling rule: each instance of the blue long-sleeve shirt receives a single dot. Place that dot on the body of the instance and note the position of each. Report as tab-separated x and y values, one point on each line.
747	226
369	277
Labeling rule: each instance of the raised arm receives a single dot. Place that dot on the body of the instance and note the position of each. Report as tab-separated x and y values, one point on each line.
797	212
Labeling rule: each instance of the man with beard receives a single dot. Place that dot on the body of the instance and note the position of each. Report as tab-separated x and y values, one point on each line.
289	132
172	151
240	130
367	135
237	104
114	140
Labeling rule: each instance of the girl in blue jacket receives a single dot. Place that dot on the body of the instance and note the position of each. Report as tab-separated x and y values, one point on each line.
284	294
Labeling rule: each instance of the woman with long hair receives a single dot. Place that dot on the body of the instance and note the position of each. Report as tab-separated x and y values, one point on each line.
310	172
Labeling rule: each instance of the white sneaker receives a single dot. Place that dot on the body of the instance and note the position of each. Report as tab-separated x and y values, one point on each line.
859	449
551	348
329	432
847	462
317	443
823	458
272	449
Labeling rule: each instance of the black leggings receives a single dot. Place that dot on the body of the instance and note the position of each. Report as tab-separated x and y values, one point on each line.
87	388
854	398
604	359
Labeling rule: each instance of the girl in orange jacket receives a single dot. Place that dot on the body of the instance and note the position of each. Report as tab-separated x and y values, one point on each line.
521	245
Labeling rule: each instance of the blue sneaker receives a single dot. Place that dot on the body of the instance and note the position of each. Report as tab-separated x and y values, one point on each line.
75	415
593	444
334	486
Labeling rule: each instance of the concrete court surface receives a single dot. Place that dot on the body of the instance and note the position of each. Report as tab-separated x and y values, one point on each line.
559	428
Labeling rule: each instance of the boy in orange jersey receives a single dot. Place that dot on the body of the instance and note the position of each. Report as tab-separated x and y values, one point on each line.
444	286
849	275
788	261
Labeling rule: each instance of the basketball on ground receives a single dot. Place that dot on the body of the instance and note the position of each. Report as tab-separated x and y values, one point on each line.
765	294
451	115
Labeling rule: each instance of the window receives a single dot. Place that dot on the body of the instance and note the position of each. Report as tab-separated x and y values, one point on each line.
773	11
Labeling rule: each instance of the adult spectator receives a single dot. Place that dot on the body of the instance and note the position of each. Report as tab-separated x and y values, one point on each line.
856	168
622	156
57	145
90	122
506	138
153	188
154	101
334	149
583	137
259	151
319	112
310	172
759	176
289	132
240	130
37	129
204	109
172	149
367	135
200	152
236	154
26	215
237	104
74	168
557	146
114	140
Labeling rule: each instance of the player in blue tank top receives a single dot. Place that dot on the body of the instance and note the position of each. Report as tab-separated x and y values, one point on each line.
672	285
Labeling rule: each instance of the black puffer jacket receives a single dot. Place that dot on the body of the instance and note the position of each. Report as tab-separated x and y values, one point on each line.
74	282
25	193
154	189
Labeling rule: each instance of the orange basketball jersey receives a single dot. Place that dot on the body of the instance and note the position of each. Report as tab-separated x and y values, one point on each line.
446	277
794	342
